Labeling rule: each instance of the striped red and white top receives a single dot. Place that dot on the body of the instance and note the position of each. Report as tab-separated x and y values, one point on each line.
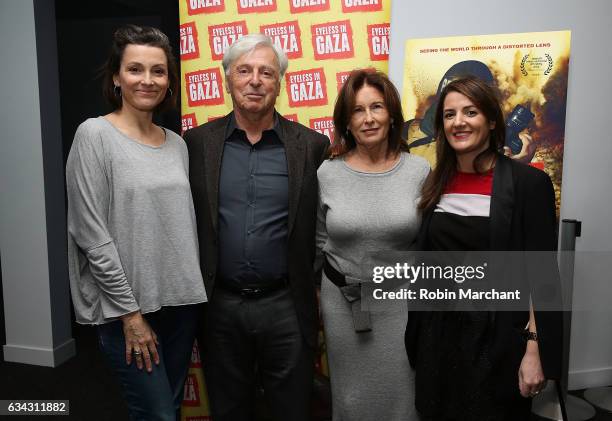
461	218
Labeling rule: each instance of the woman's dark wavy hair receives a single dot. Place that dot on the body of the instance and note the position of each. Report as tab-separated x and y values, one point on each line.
345	103
486	99
138	35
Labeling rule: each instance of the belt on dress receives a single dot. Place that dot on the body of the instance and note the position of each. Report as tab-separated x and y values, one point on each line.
352	294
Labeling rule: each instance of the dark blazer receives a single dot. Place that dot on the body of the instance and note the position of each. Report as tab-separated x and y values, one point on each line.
305	150
522	217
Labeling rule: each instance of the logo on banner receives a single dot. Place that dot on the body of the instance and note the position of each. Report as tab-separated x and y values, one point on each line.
195	7
306	88
222	36
378	40
188	121
332	40
291	117
256	6
191	394
204	87
341	77
298	6
287	36
196	362
361	5
189	41
323	125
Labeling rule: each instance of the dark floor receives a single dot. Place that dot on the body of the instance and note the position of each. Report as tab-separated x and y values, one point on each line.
92	391
84	381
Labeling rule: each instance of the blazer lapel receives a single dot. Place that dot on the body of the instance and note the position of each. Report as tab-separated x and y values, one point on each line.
502	204
213	154
294	149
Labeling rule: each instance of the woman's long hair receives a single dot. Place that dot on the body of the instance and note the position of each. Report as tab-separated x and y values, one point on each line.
485	98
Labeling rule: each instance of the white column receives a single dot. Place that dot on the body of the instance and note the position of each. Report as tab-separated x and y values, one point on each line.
32	204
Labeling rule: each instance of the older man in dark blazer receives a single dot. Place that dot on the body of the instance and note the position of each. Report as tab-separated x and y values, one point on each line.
254	182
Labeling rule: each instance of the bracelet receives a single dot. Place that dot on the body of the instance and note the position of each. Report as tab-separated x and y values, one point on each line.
530	336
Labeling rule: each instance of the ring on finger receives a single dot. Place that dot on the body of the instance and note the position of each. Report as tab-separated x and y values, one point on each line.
137	352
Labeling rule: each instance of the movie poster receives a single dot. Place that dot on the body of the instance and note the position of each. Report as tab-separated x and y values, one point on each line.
529	69
323	39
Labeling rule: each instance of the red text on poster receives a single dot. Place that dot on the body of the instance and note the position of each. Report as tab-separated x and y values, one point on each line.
292	117
204	87
191	393
189	41
195	7
332	40
323	125
256	6
287	36
378	41
222	36
361	5
306	88
299	6
195	362
341	77
188	121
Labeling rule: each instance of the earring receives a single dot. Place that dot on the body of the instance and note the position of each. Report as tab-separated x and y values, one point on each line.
391	123
170	90
117	90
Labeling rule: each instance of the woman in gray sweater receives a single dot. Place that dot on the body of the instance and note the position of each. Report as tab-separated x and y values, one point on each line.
368	196
133	251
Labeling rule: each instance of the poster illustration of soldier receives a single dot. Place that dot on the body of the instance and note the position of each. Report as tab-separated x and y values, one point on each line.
530	70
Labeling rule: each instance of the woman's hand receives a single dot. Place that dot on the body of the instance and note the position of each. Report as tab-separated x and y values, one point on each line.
140	340
530	375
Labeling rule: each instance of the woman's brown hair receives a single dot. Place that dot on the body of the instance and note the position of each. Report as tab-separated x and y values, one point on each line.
485	98
345	103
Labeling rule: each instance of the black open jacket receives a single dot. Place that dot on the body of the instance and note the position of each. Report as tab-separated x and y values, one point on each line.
522	218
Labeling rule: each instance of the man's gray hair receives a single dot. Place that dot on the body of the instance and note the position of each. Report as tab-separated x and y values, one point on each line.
248	43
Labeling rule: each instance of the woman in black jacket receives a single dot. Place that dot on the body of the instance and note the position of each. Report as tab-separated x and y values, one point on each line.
485	365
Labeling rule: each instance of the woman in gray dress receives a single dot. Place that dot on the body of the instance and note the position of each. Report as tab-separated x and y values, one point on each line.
368	196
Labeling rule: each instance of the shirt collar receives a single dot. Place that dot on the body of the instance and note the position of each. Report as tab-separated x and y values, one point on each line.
232	125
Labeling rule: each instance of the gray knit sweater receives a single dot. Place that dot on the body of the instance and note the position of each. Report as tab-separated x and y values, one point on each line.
363	215
132	240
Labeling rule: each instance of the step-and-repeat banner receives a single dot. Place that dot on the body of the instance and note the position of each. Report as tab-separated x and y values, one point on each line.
324	40
529	69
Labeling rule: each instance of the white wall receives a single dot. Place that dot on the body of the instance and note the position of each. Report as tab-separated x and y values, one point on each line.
32	227
587	167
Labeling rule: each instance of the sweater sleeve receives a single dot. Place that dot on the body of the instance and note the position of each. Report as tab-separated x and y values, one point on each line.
89	192
321	234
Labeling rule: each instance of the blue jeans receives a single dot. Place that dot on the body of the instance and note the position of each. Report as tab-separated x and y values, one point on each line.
156	395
